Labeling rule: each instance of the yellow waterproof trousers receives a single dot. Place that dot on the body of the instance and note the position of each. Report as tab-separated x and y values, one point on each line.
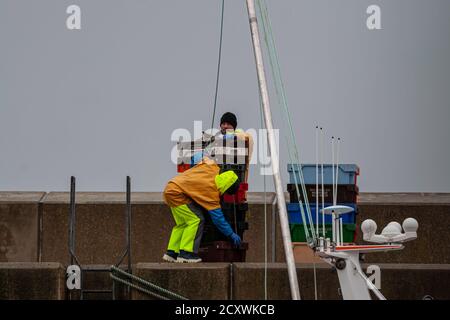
188	231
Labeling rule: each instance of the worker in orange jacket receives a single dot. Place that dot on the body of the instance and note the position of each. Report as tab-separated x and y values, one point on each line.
188	195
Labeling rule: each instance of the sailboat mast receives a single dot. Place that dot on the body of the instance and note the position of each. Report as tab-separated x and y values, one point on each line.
281	201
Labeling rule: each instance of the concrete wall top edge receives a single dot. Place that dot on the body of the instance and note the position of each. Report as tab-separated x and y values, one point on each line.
30	265
199	266
136	197
413	198
104	197
411	266
277	265
21	197
394	266
252	197
242	265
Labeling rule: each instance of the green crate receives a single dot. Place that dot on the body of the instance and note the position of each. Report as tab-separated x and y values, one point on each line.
298	231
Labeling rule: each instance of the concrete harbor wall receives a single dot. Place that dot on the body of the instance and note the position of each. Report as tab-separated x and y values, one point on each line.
36	227
34	247
32	281
237	281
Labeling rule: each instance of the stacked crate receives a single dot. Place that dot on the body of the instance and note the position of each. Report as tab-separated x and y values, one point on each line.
229	154
347	194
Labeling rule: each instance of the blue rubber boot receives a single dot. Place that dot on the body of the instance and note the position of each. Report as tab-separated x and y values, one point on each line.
170	256
188	257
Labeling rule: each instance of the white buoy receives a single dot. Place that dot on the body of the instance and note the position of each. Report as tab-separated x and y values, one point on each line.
392	229
368	228
410	225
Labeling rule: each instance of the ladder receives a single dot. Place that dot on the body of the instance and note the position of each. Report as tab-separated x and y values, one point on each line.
99	269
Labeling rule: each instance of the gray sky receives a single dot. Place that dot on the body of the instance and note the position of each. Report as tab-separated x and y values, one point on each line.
101	102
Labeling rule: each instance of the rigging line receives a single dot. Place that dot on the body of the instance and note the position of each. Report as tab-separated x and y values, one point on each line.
273	56
265	32
298	171
273	150
306	232
282	101
218	64
300	203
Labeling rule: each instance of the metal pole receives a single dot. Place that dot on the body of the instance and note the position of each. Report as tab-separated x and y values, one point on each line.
293	282
72	232
71	224
274	235
128	196
72	220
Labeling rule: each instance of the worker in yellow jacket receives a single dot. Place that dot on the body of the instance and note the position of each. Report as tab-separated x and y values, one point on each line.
188	195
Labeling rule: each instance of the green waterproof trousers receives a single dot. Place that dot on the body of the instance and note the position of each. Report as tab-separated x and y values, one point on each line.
188	231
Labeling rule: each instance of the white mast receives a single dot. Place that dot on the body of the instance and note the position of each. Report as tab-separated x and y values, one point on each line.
281	201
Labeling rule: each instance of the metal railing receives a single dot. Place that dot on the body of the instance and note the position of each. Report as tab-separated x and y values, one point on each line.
142	285
72	242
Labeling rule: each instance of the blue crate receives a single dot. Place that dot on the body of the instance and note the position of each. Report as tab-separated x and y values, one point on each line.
295	215
347	173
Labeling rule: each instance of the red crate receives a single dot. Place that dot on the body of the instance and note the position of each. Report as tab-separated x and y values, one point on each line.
183	167
239	197
223	251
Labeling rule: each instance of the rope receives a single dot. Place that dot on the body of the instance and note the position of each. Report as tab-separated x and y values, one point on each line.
137	287
218	64
272	58
146	283
282	101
